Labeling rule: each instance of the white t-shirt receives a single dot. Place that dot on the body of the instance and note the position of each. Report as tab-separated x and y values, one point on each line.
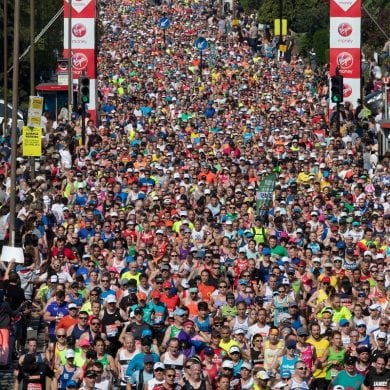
256	329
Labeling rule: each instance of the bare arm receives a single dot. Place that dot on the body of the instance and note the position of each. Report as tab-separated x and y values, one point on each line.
112	364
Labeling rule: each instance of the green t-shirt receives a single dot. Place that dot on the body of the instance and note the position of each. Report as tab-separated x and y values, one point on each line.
228	311
279	250
349	382
334	355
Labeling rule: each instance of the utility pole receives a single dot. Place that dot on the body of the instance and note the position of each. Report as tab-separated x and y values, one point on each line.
70	67
32	70
280	53
5	66
15	103
338	107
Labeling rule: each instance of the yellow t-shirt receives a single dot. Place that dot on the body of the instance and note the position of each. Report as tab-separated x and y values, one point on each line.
342	314
320	346
322	296
127	275
303	177
226	346
87	307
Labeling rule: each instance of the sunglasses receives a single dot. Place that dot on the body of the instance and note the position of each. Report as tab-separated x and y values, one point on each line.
170	376
60	336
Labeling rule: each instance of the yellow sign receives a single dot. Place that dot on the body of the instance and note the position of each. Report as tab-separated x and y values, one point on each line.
283	48
35	107
36	103
32	141
277	27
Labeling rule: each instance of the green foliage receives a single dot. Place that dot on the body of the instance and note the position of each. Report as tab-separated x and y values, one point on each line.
372	37
44	49
321	45
250	5
309	19
304	42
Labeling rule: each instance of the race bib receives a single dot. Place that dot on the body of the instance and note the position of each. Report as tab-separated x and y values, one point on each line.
158	318
112	330
34	386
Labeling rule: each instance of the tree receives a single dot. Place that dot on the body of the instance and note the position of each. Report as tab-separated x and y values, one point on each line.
44	49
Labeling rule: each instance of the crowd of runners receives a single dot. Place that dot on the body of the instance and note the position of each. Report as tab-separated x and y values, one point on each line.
145	250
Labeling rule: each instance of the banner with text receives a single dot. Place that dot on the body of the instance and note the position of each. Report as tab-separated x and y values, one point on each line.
264	192
83	45
345	41
32	141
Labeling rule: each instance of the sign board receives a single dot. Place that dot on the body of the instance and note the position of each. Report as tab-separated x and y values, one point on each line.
32	141
11	253
283	48
62	79
277	27
35	107
201	43
164	23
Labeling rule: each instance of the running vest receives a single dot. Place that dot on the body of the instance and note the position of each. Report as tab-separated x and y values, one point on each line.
203	326
270	353
299	386
124	362
65	377
259	235
288	364
241	325
77	332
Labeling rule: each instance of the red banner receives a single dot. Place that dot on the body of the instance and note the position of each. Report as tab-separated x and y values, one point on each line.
349	8
83	45
80	9
347	60
83	60
344	43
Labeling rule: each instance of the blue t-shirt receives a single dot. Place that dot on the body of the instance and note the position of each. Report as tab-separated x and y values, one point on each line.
54	309
106	293
137	362
86	233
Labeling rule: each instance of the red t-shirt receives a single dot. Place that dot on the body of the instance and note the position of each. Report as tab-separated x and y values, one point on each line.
170	302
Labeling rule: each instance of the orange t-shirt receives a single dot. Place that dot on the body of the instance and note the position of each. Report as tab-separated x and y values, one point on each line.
66	322
205	291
